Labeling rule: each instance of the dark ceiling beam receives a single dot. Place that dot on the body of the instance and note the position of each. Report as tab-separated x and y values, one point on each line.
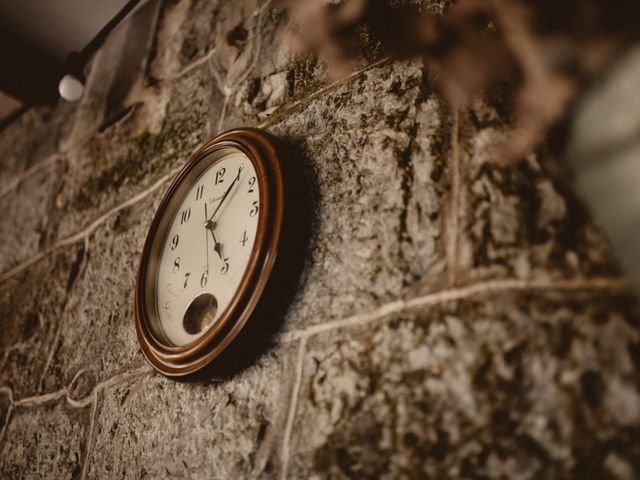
27	74
101	36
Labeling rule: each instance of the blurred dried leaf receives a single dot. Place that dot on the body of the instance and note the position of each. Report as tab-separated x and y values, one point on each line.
545	49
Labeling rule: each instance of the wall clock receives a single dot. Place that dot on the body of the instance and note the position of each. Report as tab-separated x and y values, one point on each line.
209	252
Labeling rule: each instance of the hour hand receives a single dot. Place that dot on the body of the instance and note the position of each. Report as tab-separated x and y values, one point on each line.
217	246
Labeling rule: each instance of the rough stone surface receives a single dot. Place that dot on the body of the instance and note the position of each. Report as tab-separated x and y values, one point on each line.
5	407
516	220
368	369
234	427
155	136
45	442
49	126
278	77
190	30
97	339
27	215
519	386
380	189
32	303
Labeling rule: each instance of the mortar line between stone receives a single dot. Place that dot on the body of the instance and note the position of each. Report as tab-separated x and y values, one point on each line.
205	58
124	377
50	354
13	184
25	264
105	384
89	229
89	450
93	400
92	226
331	86
223	112
87	136
454	214
56	339
7	417
460	293
191	66
115	380
22	177
293	406
41	399
132	201
64	149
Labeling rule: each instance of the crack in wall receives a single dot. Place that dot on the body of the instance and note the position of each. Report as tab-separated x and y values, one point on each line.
293	406
89	448
79	266
379	314
6	390
73	238
382	313
405	163
458	293
453	230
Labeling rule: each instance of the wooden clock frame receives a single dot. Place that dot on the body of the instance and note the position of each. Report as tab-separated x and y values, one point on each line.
172	360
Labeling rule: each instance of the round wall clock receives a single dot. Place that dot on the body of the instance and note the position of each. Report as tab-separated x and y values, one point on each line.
209	251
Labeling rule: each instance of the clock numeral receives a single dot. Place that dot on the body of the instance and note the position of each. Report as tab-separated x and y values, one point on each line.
220	175
225	267
254	211
244	238
176	265
185	215
204	278
239	172
167	306
186	278
252	182
199	192
174	241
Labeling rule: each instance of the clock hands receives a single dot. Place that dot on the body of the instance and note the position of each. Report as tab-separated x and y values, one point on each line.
226	194
210	225
217	246
206	236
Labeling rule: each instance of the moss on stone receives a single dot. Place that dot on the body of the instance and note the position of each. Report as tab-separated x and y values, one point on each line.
147	156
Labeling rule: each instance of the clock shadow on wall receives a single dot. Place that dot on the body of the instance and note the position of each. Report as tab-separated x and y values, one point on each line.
260	334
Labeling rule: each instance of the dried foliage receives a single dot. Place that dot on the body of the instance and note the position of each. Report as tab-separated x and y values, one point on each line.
545	50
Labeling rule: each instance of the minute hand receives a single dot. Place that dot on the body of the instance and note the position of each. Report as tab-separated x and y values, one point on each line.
224	197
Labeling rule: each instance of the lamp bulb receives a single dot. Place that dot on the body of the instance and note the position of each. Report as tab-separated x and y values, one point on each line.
70	88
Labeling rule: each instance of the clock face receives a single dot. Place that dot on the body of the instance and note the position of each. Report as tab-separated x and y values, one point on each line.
207	246
209	251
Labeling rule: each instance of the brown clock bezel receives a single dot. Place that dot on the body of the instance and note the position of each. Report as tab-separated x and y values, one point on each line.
184	360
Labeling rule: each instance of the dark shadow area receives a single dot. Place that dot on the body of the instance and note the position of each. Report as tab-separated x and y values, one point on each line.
259	334
28	74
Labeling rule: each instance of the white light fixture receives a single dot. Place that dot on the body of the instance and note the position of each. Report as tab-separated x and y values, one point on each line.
70	88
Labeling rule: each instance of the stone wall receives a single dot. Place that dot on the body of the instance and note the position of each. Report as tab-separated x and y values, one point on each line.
454	316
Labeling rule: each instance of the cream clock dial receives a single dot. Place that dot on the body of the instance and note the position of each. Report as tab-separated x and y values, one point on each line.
207	248
209	251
